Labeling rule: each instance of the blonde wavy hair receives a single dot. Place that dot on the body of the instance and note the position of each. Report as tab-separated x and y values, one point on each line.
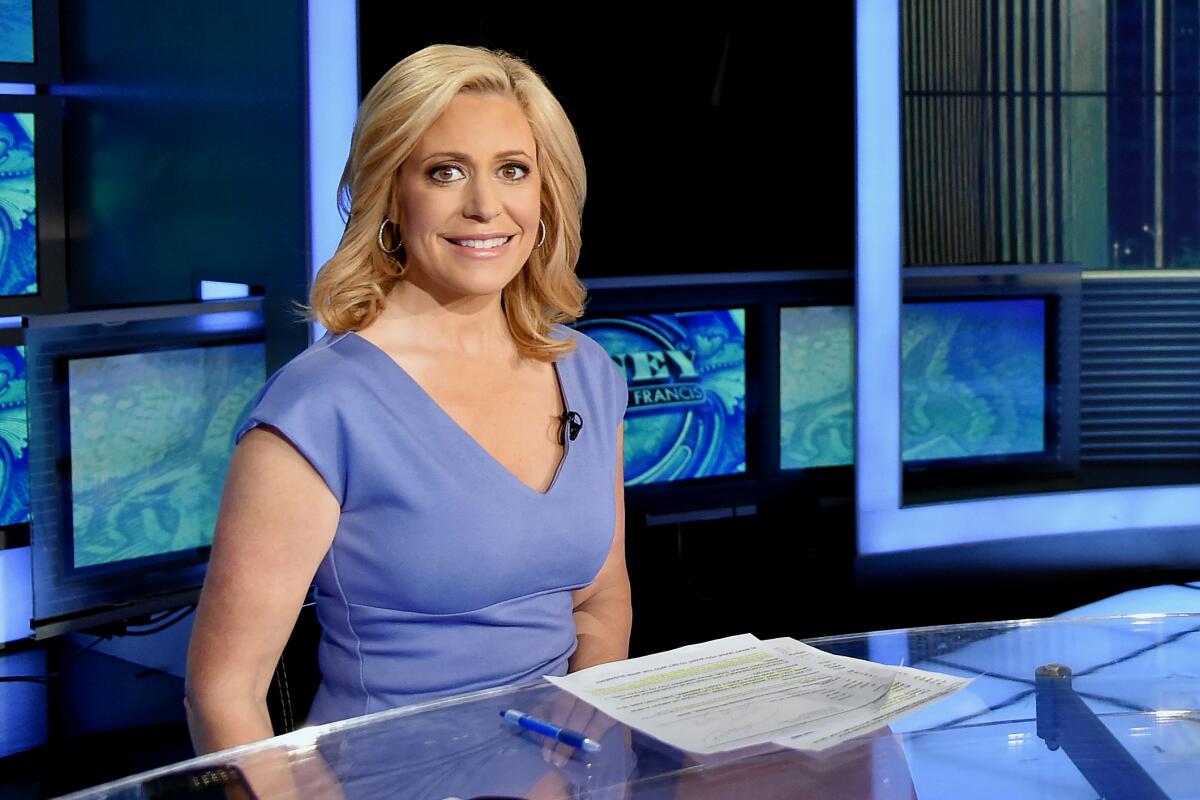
349	290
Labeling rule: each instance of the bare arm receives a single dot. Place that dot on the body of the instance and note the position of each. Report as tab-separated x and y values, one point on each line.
603	614
276	522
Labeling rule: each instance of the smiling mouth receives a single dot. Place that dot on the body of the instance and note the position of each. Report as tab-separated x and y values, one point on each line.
481	244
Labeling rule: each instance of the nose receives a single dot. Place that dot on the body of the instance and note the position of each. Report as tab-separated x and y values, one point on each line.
482	202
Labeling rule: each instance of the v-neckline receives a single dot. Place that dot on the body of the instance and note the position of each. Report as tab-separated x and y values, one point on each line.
474	443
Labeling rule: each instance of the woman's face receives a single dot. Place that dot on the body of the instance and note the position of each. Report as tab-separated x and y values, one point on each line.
471	197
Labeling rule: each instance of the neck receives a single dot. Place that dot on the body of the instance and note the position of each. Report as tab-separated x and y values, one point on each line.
469	326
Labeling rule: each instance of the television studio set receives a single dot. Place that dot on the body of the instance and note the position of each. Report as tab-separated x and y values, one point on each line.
450	404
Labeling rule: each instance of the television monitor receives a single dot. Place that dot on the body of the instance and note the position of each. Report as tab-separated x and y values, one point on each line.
14	441
132	413
993	354
32	265
16	32
816	386
700	355
974	385
975	379
988	386
686	377
29	51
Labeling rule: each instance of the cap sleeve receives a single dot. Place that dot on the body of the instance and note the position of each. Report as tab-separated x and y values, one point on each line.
602	378
620	391
292	405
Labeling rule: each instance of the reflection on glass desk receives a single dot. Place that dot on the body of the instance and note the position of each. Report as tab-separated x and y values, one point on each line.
1134	683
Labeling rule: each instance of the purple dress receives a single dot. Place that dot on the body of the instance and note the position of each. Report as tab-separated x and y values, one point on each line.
447	574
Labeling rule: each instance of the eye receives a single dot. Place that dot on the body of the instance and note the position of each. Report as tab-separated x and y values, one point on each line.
514	171
446	173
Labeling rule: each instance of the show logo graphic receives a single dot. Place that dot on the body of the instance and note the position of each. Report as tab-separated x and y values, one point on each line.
686	374
661	378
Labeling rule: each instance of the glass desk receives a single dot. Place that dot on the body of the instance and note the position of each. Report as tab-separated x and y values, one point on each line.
1127	718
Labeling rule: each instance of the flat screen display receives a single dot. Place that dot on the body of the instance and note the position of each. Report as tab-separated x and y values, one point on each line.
14	438
18	206
974	379
16	31
151	435
816	386
973	383
686	376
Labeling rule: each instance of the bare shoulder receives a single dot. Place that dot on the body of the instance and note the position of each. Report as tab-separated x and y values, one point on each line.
276	523
267	468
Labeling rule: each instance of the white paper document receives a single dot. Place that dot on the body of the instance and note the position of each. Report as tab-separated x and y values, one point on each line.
739	691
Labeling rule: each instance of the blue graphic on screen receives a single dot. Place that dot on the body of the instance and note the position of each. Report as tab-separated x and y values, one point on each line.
18	206
151	436
973	382
14	438
686	373
16	31
816	386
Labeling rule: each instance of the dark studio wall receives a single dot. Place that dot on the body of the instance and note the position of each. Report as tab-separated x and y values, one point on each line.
185	152
712	144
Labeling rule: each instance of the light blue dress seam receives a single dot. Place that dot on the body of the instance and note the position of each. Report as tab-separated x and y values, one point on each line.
465	612
362	679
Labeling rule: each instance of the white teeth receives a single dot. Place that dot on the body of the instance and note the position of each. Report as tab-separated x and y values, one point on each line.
482	244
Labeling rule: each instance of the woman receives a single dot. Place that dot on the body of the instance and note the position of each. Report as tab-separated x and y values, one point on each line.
447	460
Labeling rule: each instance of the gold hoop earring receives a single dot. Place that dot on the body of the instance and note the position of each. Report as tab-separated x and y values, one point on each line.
383	247
543	239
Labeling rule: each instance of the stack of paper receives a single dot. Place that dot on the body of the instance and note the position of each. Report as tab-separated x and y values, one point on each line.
739	691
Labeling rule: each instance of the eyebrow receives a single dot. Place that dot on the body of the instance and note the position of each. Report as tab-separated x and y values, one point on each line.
465	157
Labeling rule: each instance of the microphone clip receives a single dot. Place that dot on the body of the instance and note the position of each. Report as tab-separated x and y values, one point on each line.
572	424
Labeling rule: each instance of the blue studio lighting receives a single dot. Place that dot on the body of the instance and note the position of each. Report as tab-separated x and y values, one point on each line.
223	290
877	211
17	607
332	110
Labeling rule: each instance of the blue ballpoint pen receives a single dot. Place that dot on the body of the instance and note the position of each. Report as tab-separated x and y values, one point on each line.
564	735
